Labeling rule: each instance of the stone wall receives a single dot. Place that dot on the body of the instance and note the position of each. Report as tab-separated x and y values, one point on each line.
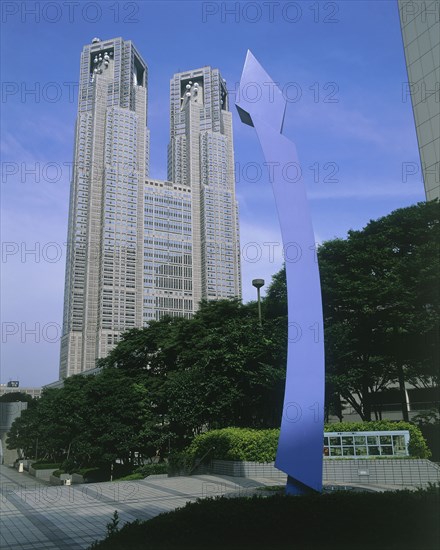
44	475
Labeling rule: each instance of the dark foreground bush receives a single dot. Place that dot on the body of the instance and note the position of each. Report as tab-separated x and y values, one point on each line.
401	520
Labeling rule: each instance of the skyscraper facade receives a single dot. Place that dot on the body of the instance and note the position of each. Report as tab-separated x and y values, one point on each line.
140	248
201	157
420	24
168	247
104	273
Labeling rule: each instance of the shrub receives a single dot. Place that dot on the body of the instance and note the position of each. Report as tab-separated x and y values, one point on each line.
113	525
417	444
145	471
303	522
93	475
57	473
70	466
236	444
152	469
181	462
431	433
261	445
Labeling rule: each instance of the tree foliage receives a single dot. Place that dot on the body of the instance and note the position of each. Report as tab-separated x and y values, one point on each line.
381	305
15	396
91	420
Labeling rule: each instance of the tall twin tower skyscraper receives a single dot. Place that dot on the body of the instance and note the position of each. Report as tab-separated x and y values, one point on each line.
138	248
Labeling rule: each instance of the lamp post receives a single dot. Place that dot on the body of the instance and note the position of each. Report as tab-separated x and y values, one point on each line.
258	283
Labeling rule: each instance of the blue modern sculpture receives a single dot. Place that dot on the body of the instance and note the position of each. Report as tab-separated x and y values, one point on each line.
261	104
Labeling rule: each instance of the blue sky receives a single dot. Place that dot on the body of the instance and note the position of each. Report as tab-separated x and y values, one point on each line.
340	65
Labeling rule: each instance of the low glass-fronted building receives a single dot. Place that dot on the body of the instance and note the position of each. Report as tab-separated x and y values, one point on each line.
366	444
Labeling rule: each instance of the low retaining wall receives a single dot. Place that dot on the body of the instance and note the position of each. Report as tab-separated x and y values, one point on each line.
42	474
238	468
77	478
55	480
27	463
414	472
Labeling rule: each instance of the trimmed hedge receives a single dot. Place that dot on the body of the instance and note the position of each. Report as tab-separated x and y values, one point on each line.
93	475
236	444
343	520
261	445
45	465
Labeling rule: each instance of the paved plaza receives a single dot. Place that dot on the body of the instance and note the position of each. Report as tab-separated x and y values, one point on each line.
35	515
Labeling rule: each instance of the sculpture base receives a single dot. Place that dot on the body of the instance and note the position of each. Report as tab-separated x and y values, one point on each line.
295	487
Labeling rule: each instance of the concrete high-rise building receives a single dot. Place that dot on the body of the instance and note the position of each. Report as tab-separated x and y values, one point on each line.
420	23
201	158
139	248
104	271
191	221
168	246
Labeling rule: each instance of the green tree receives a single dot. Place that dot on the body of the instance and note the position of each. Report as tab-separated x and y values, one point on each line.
14	396
24	432
381	306
119	422
216	369
92	420
233	378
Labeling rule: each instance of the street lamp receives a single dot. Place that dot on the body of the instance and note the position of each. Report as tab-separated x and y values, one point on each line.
258	283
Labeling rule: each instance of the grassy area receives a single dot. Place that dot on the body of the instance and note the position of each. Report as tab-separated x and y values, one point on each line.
342	520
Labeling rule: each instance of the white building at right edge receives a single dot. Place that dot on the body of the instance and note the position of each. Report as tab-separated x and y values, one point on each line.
420	23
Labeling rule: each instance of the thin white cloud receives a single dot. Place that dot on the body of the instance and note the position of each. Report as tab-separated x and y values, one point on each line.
337	120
